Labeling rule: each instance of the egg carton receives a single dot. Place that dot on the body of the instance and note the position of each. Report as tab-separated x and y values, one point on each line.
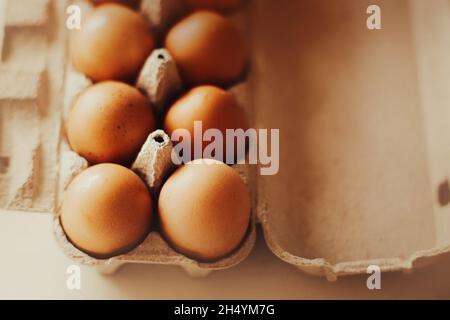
160	81
364	174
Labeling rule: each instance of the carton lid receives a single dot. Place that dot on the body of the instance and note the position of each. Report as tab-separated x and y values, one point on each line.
363	133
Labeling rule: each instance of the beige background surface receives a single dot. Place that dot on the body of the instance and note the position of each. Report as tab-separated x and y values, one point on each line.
33	267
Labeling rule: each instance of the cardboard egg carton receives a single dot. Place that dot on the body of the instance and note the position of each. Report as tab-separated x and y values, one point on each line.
32	63
363	118
159	79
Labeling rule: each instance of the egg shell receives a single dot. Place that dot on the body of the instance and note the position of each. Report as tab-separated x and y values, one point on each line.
214	107
112	44
204	210
162	14
207	48
224	6
109	122
106	210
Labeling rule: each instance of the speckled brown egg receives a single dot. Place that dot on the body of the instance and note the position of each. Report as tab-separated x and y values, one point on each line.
204	210
113	43
130	3
106	210
109	122
224	6
207	48
215	108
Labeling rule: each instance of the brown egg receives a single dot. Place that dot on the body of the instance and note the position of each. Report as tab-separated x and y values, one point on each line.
112	44
130	3
204	210
224	6
214	107
110	122
106	210
207	48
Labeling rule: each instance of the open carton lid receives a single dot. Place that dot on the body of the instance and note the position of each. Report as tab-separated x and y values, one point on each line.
363	118
364	144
